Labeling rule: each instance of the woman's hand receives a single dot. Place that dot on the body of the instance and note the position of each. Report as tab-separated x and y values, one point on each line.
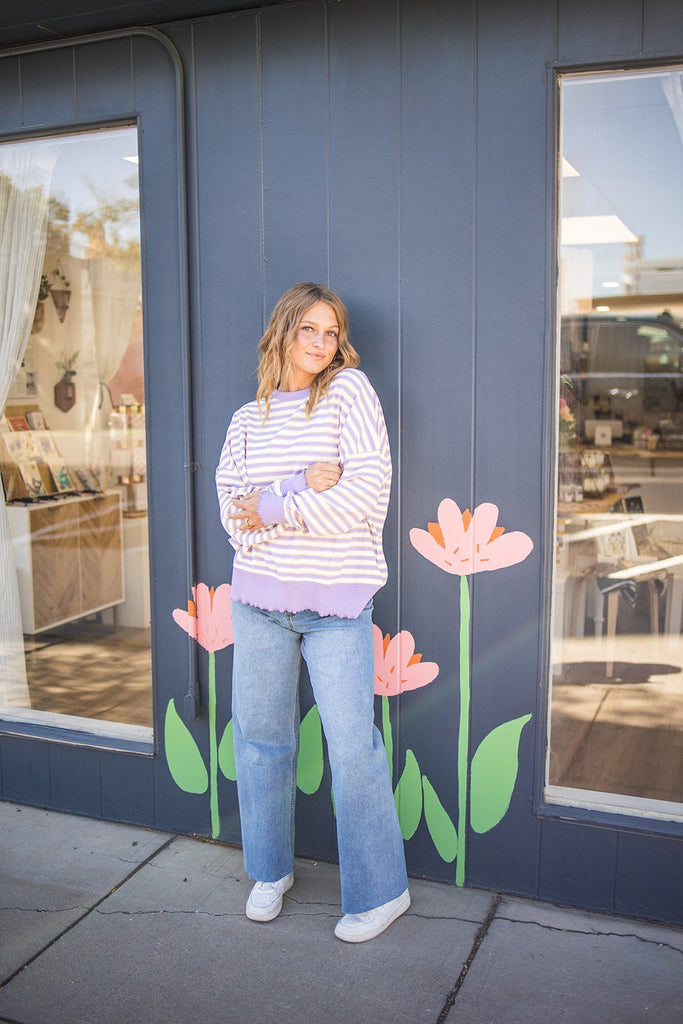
320	476
250	519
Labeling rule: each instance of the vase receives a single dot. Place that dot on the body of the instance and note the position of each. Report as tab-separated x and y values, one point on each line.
65	394
38	319
60	297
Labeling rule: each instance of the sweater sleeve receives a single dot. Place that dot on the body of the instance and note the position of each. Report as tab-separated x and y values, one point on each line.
362	492
233	483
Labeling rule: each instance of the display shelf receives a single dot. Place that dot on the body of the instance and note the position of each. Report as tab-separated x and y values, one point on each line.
69	558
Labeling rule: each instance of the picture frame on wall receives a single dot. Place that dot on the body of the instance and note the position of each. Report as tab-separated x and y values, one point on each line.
36	420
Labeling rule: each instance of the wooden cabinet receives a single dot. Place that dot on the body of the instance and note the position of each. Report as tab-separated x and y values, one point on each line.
69	558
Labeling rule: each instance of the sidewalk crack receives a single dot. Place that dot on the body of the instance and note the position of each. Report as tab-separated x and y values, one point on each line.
478	939
86	912
595	933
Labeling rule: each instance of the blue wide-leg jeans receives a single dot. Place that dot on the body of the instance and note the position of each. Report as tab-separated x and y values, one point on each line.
339	654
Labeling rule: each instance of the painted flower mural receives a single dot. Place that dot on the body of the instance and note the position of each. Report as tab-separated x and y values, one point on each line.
459	543
208	620
398	668
464	543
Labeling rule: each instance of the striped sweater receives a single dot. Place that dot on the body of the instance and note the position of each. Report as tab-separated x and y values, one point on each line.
318	551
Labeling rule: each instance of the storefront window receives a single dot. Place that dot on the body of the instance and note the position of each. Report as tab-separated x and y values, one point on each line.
616	728
72	438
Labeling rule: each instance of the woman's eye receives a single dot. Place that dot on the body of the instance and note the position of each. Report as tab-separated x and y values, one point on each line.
306	328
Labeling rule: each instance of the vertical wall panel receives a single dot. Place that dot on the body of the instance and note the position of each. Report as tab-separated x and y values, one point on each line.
437	270
587	30
295	141
364	161
127	787
25	770
227	276
577	865
648	877
227	268
663	27
47	86
511	289
10	107
364	156
104	79
76	779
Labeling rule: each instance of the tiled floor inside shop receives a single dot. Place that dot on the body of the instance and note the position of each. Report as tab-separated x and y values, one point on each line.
617	727
92	670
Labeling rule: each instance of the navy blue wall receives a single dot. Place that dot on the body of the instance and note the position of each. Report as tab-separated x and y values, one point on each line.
404	153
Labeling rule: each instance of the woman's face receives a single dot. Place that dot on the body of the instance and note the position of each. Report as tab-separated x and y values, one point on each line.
314	347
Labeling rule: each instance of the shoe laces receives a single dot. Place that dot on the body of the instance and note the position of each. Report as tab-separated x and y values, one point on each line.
265	888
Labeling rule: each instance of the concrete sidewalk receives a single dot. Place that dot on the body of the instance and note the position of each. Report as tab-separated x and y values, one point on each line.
103	923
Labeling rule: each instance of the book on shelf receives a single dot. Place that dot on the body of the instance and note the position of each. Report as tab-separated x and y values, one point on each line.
18	423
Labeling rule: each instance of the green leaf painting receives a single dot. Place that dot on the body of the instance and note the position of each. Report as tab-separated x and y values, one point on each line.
439	825
494	773
182	754
408	796
226	753
310	763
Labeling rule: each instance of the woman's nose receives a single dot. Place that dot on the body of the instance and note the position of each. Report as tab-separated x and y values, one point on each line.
318	340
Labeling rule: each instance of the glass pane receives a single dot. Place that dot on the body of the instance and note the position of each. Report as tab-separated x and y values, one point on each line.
616	730
73	447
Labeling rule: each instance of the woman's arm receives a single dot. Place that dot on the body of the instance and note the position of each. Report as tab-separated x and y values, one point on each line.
239	500
362	491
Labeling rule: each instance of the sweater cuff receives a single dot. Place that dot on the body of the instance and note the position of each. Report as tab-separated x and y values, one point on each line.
294	484
271	508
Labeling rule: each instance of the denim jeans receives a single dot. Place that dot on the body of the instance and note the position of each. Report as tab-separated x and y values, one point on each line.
339	654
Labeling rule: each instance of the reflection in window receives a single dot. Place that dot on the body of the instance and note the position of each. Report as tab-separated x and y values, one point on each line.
72	443
616	728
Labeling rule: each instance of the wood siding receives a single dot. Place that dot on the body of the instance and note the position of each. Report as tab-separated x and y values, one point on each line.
404	153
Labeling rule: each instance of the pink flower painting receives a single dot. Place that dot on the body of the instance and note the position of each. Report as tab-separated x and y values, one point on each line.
208	618
397	666
462	543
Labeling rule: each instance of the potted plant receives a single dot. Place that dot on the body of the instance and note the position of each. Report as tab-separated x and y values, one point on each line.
39	317
60	290
65	389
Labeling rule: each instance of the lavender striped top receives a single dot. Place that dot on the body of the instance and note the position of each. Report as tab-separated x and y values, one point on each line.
318	551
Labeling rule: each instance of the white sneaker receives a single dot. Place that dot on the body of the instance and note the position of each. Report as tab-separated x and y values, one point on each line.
361	927
265	899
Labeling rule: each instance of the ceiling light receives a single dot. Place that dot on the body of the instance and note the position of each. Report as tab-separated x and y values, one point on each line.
595	230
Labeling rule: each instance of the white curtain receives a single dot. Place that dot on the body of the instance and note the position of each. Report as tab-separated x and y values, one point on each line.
672	84
114	290
25	176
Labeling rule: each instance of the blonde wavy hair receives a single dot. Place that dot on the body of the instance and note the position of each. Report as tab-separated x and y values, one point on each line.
275	345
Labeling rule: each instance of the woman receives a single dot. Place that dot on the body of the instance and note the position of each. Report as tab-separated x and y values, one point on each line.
303	486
